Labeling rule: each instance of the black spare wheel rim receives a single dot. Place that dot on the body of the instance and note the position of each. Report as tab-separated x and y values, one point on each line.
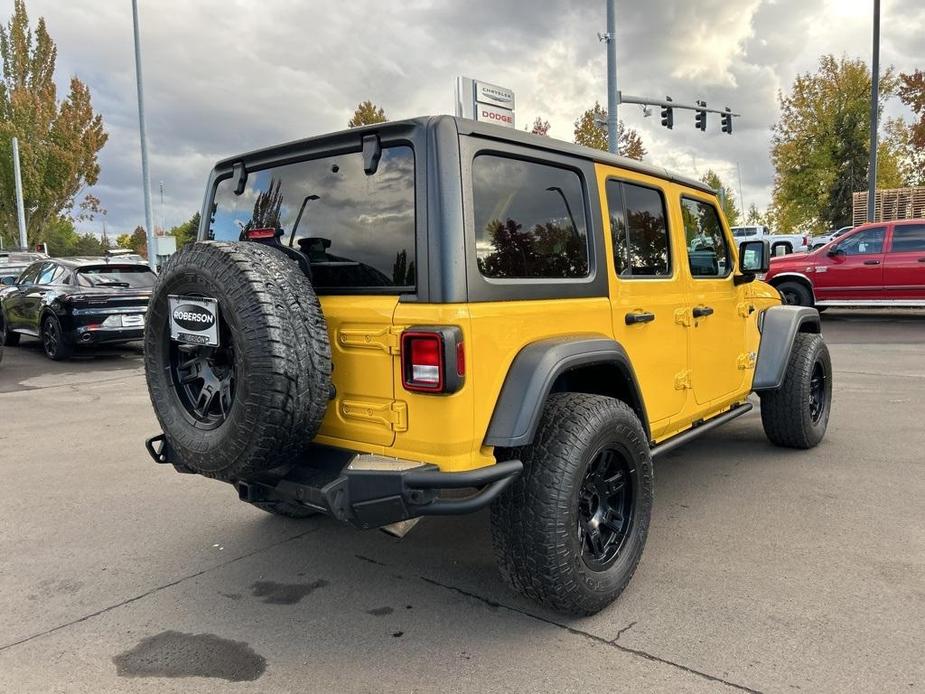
204	378
606	504
817	392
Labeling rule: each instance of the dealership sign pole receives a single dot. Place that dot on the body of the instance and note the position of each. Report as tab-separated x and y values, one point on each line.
20	212
484	102
142	132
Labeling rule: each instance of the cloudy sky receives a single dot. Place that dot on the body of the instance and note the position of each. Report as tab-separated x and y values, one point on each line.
223	76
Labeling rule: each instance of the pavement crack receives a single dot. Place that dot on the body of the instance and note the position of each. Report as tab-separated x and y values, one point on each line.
593	637
157	589
622	631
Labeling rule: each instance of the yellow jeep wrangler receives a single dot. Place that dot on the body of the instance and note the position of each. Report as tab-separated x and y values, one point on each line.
374	318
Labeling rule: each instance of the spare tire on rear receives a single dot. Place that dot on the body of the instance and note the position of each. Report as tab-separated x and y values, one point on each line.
256	400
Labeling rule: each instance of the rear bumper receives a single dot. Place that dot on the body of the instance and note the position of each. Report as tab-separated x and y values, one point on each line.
368	491
98	336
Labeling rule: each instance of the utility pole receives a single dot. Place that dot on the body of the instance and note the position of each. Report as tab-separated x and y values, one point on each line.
20	211
874	114
142	131
613	94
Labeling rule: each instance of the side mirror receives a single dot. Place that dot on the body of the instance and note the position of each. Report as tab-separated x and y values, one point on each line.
754	257
835	252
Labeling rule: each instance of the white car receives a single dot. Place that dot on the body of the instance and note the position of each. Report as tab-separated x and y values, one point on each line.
781	244
820	241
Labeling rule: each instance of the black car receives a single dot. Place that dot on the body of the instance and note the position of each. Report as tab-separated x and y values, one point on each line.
76	301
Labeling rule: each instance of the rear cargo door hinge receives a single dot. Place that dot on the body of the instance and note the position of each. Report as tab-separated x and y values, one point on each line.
747	360
386	339
683	317
393	415
682	380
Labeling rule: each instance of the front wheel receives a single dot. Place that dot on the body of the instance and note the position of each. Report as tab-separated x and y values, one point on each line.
570	531
796	415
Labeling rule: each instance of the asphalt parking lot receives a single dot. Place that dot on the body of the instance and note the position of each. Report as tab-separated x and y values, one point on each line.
766	570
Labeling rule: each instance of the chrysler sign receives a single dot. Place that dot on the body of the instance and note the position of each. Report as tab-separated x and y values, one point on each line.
484	102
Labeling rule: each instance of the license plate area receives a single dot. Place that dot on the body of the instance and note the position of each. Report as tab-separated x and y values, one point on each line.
133	320
193	320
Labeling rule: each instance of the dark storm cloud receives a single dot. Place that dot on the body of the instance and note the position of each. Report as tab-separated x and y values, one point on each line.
223	76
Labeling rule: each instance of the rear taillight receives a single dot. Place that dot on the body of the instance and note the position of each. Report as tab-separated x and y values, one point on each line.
432	359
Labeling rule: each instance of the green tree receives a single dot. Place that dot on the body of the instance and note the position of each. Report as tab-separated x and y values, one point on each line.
753	216
137	241
820	145
61	237
58	140
186	232
367	113
88	244
726	196
590	133
124	241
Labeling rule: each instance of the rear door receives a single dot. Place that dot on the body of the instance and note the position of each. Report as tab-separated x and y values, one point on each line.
853	268
904	263
356	224
649	291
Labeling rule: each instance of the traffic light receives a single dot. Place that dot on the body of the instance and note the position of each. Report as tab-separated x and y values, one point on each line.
700	118
668	115
727	122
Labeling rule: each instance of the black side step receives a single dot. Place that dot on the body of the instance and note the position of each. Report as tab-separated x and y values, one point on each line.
691	434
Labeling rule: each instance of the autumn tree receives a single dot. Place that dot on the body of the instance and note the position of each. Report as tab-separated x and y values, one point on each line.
753	216
137	241
367	113
820	145
911	92
726	196
540	126
590	132
58	140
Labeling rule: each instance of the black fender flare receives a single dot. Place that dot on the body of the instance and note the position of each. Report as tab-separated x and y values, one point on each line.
532	375
779	326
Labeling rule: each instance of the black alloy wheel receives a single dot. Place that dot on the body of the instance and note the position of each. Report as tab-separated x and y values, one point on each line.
204	378
605	509
54	342
818	397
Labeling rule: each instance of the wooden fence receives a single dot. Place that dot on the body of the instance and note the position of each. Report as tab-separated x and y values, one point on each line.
893	203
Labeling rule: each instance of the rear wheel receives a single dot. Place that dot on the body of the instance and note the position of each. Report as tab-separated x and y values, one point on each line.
570	531
796	415
795	294
54	341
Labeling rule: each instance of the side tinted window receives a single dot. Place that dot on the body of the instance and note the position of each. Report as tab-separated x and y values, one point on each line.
707	250
639	229
863	242
529	220
908	238
356	229
30	273
46	273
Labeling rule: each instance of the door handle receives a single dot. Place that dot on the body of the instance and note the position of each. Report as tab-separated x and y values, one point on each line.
701	311
639	317
871	262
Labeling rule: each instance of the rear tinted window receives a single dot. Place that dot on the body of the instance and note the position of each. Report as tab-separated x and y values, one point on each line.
356	229
529	220
908	238
133	276
639	230
742	232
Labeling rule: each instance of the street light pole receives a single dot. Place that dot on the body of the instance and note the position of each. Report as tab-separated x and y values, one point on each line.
20	211
613	95
874	116
142	131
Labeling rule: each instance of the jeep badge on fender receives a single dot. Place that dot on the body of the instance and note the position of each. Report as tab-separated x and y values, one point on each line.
193	320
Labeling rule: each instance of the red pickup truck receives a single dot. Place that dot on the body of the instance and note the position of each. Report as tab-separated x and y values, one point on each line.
875	264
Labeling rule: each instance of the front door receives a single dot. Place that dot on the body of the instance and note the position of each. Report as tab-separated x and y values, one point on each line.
904	264
647	291
852	270
717	326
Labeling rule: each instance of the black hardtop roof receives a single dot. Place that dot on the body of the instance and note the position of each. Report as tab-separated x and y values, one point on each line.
467	126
